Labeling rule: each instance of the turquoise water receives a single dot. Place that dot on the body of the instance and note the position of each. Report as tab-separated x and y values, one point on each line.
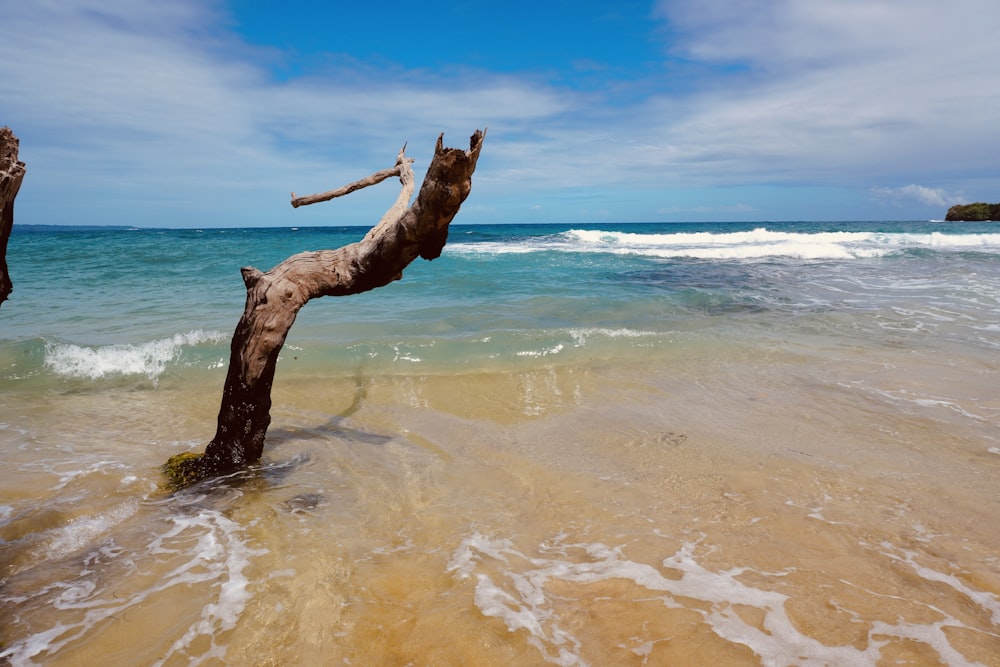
557	444
115	303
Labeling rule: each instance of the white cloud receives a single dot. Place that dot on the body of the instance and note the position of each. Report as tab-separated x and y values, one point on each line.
930	196
782	36
847	90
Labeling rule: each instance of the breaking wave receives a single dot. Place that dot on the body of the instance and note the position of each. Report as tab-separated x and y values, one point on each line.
760	243
149	359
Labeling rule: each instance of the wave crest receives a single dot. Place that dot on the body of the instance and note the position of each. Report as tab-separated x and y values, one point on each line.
148	359
755	244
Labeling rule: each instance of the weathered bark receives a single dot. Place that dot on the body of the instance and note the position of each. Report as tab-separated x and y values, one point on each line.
275	297
11	175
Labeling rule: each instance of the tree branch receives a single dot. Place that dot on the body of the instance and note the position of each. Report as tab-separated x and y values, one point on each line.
379	176
11	175
275	297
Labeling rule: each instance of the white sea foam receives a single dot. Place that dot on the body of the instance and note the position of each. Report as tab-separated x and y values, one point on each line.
403	355
756	244
551	346
498	248
216	561
906	399
512	587
148	359
760	243
545	352
580	336
83	531
222	546
988	602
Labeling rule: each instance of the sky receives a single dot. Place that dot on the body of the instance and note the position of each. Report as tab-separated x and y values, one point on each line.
209	113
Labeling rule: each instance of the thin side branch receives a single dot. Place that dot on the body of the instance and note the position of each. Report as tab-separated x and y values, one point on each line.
374	179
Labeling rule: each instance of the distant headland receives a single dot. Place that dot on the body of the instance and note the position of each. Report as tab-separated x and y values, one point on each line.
973	212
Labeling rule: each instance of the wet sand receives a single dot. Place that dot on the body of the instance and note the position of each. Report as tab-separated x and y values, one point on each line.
759	507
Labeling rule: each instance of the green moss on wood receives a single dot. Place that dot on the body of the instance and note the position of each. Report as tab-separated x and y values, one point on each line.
184	470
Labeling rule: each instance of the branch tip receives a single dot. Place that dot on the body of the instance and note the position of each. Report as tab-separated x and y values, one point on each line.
250	276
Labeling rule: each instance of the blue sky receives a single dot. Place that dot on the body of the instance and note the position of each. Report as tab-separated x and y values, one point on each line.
202	113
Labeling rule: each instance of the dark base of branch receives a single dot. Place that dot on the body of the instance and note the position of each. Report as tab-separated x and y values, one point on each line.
183	470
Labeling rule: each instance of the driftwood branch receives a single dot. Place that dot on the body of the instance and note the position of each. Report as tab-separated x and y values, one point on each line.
275	297
375	178
11	175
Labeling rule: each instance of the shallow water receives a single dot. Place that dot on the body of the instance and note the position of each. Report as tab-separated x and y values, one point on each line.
764	463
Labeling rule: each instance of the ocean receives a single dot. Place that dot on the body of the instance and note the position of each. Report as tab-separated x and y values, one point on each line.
613	444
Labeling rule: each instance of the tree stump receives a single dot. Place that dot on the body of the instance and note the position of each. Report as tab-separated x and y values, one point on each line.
275	297
11	175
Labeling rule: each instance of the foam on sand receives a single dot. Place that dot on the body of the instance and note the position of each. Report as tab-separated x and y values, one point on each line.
515	588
